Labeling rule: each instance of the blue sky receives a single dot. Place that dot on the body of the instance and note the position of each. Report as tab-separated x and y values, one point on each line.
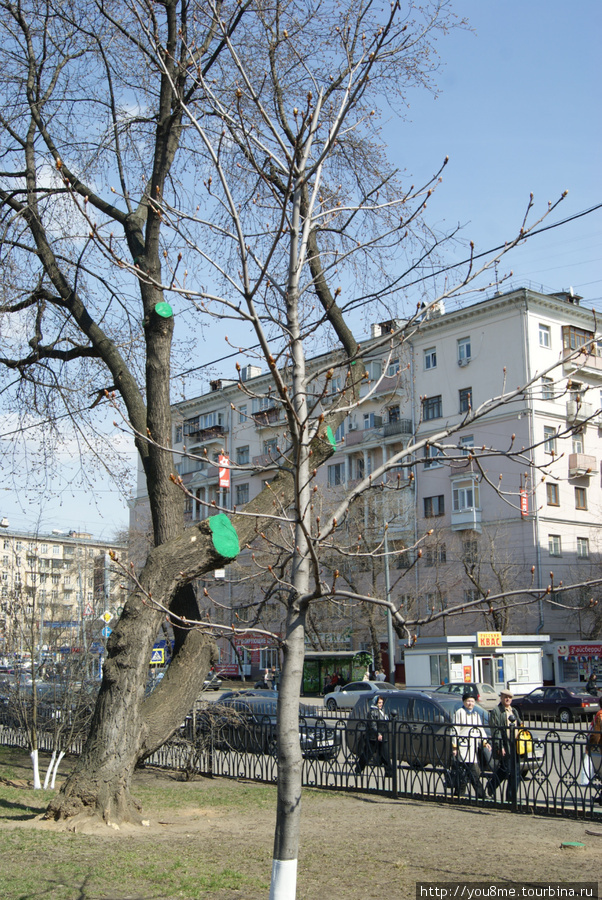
518	111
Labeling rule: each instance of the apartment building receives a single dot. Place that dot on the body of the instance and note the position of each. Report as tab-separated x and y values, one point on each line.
511	501
52	584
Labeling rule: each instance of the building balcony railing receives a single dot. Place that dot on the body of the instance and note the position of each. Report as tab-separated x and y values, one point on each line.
267	417
204	435
580	464
578	411
402	426
466	519
390	429
265	460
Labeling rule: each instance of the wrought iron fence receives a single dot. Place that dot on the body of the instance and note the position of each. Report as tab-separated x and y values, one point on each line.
550	770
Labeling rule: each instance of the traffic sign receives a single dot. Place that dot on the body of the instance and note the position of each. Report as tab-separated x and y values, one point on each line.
106	631
157	656
107	616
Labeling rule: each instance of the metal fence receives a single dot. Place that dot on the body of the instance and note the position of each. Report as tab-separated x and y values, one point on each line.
549	771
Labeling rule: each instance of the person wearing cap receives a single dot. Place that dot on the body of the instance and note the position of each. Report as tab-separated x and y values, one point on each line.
471	736
504	719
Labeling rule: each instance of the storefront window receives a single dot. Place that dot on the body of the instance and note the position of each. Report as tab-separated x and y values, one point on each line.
499	670
439	669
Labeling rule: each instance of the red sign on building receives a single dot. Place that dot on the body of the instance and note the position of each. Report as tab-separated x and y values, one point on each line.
524	503
224	470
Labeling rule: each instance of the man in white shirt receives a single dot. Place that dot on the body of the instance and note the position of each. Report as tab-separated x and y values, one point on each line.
471	736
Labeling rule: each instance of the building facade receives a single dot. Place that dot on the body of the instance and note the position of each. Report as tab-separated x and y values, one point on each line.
510	501
54	588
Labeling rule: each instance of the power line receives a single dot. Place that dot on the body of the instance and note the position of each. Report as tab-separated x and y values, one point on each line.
363	301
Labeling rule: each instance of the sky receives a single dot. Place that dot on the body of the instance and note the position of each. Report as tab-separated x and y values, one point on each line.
517	112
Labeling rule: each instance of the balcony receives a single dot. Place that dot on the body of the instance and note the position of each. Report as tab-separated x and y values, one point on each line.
206	435
578	411
580	464
402	426
466	519
266	460
265	418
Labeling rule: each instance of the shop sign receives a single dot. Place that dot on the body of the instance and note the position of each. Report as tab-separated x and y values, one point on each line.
489	638
589	650
467	673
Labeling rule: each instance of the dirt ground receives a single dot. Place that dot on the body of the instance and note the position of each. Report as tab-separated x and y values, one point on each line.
362	847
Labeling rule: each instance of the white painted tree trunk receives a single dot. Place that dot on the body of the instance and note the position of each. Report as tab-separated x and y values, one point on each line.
37	784
49	769
57	763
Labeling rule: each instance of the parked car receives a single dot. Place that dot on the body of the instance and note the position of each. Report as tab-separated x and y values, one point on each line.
485	695
426	730
249	692
556	702
212	682
347	696
249	725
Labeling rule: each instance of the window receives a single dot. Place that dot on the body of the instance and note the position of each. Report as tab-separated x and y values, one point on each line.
5	560
242	455
336	474
549	439
44	548
465	495
578	442
242	494
270	447
178	434
465	400
434	506
340	433
545	337
470	552
431	455
547	388
464	352
431	408
467	444
470	595
56	579
554	545
393	368
552	494
433	555
242	414
393	414
439	668
6	544
56	550
67	579
582	548
18	546
430	358
580	498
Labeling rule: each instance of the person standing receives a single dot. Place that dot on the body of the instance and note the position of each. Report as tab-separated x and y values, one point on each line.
504	719
375	749
592	685
267	679
471	737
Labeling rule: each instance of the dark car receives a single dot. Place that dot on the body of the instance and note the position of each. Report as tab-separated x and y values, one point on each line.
424	727
248	692
249	725
212	682
556	702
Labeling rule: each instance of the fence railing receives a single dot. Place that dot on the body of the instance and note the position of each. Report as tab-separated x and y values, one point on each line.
547	770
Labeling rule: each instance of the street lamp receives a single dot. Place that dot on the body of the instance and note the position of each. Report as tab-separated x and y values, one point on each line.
4	523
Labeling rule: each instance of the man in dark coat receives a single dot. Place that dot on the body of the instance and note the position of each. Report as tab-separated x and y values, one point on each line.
504	719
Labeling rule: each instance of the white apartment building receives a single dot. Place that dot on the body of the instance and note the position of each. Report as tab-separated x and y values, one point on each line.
55	583
498	522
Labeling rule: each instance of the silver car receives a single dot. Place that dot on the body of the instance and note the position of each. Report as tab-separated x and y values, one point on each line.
347	696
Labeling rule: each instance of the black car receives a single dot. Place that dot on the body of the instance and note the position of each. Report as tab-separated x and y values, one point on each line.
249	725
556	702
424	727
